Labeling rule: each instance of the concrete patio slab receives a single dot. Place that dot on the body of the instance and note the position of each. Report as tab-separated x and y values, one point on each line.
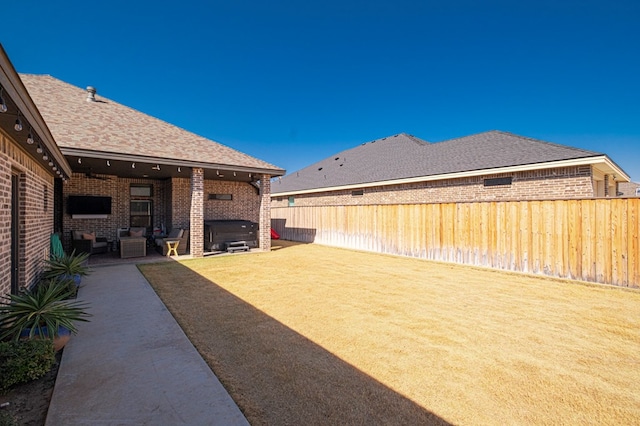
132	364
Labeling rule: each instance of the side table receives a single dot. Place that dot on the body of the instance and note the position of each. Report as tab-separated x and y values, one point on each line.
172	246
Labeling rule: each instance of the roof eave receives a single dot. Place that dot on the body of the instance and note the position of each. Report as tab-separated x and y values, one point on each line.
13	86
169	161
601	161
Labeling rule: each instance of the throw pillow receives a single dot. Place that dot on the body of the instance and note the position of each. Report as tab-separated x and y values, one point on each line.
89	236
135	233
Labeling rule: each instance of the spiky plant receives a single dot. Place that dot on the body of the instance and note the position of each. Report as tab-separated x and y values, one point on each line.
41	312
67	264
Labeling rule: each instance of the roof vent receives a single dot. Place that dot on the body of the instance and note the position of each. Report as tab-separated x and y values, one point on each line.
91	94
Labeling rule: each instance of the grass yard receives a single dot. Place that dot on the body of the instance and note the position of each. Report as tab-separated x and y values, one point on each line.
314	335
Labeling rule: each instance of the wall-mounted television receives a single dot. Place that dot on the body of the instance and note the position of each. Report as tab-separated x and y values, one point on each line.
87	204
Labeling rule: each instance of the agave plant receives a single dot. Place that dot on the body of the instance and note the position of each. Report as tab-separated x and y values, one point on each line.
71	265
43	312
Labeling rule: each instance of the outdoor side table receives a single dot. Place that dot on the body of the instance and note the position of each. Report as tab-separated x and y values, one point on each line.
172	246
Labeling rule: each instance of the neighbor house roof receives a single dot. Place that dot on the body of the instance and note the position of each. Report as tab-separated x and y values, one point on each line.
105	126
403	158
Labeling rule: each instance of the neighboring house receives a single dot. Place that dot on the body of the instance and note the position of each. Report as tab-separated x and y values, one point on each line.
629	189
157	175
73	142
27	183
488	166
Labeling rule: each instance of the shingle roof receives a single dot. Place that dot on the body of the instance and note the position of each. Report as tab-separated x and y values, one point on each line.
107	126
403	156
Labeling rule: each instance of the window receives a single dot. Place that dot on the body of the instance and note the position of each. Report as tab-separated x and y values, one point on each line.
357	192
226	197
141	206
291	201
141	190
498	181
141	213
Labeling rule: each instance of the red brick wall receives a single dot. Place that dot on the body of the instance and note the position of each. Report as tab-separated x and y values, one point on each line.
36	213
559	183
245	204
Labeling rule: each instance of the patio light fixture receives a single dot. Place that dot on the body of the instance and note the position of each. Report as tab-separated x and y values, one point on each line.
18	125
50	163
79	160
39	149
133	165
45	157
156	167
108	163
30	137
3	104
179	170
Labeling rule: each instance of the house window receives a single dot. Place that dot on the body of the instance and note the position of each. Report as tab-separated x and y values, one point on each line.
291	201
141	206
226	197
357	192
498	181
141	190
141	213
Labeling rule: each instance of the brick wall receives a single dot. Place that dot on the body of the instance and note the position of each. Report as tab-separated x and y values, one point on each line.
36	214
119	191
558	183
244	205
197	212
265	213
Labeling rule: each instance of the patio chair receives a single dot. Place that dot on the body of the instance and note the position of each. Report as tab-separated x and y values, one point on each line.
87	242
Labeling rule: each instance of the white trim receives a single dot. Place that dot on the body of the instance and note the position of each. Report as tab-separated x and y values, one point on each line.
601	161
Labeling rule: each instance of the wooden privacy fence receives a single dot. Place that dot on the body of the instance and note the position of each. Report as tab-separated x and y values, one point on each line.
591	240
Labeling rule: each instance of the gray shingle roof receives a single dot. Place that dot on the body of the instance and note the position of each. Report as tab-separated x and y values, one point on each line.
107	126
403	156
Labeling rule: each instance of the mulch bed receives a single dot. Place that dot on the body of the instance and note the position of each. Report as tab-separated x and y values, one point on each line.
29	402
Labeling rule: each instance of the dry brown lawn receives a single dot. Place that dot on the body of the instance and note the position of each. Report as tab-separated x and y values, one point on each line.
314	335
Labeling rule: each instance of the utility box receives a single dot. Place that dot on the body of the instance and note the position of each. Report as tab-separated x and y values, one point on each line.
219	233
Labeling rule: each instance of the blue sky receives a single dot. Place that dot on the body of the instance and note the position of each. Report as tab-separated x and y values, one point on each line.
293	82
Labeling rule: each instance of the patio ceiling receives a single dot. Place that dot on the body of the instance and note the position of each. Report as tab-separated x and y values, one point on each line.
94	165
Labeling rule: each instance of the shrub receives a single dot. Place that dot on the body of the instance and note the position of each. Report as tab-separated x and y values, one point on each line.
7	419
25	360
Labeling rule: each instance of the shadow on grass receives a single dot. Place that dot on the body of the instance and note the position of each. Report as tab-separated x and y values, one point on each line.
276	375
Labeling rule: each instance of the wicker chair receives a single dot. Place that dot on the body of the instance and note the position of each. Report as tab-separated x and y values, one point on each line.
87	242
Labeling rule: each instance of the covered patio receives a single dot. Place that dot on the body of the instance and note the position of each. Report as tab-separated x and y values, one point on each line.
147	172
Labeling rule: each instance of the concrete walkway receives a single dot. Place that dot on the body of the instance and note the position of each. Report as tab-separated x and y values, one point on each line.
132	364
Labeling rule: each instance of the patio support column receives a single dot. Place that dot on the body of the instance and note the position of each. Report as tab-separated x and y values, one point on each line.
265	213
196	217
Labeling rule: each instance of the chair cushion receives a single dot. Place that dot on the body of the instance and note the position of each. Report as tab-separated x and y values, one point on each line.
175	233
77	235
89	236
100	245
133	233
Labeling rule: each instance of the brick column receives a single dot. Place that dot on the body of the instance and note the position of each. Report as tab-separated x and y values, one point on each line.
265	213
196	216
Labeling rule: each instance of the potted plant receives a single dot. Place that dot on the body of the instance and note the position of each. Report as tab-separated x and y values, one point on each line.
70	265
45	312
